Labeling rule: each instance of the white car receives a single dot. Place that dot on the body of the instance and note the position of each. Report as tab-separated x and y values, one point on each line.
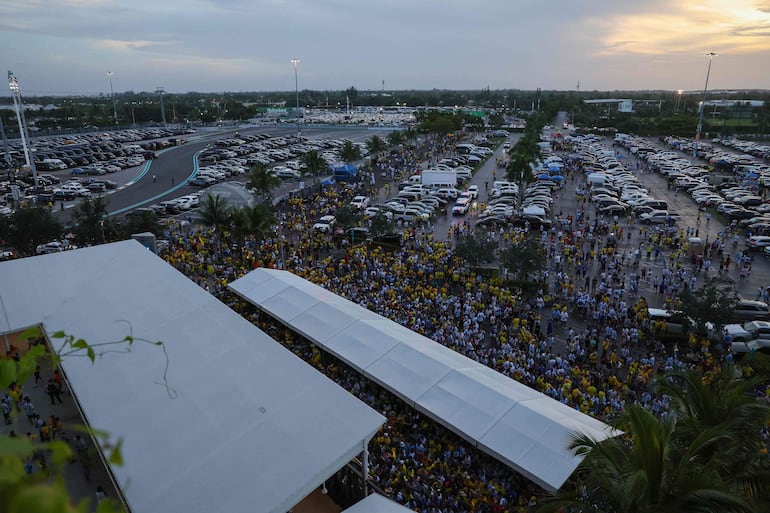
360	202
373	211
285	173
325	224
461	207
473	190
53	247
656	216
412	214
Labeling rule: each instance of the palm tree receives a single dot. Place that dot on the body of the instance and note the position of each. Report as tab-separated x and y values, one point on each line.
239	224
314	163
519	171
216	213
410	134
375	145
722	403
350	152
88	218
395	138
262	180
646	471
261	219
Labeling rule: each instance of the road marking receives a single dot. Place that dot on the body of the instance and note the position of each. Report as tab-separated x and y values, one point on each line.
158	196
141	175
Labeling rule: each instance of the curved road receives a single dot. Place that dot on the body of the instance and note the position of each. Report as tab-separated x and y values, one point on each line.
178	164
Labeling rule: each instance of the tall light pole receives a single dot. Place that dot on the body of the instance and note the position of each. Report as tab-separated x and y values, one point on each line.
13	83
296	92
161	92
678	99
711	56
112	94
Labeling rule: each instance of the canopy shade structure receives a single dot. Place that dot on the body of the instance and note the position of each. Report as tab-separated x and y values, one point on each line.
243	424
519	426
377	504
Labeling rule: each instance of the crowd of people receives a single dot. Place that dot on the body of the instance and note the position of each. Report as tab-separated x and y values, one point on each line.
41	426
585	338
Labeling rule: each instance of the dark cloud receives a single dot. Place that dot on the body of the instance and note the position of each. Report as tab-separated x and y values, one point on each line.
761	30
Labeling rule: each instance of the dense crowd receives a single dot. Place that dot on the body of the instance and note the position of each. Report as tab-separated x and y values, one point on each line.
584	339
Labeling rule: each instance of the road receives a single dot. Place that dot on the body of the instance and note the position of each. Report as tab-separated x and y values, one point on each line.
175	166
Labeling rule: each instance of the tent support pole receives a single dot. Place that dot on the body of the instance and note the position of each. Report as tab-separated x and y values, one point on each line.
365	467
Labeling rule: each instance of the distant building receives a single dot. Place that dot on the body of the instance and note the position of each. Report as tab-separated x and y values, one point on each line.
624	104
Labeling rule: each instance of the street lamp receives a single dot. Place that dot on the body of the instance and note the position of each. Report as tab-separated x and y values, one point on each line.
296	91
13	83
710	55
678	99
112	94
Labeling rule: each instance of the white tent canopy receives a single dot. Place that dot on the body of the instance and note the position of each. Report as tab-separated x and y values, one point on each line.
377	504
521	427
246	424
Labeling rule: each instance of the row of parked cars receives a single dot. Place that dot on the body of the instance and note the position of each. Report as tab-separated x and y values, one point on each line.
94	154
737	198
253	149
65	152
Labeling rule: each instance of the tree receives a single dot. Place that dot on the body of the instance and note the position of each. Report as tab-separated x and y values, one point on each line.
144	221
396	137
713	303
28	227
723	404
350	152
262	180
476	248
519	171
239	224
314	163
88	218
524	257
440	123
375	144
381	226
346	217
261	219
216	213
646	471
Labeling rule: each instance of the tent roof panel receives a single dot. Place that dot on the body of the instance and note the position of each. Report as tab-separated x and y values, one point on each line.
235	399
377	504
522	427
362	343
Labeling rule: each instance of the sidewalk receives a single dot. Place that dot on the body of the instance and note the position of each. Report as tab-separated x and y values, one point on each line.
78	486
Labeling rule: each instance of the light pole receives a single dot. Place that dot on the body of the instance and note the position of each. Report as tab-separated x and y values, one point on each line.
112	94
13	83
678	99
711	56
296	92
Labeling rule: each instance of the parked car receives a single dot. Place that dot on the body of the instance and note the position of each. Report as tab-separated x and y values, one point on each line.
360	202
750	310
53	247
325	224
757	242
461	207
749	331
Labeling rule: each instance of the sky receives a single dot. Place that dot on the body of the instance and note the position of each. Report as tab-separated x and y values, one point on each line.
65	47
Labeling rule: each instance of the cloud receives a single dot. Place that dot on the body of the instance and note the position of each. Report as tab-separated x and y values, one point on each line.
681	27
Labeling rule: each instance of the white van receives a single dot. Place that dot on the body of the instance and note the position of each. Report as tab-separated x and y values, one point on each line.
54	164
